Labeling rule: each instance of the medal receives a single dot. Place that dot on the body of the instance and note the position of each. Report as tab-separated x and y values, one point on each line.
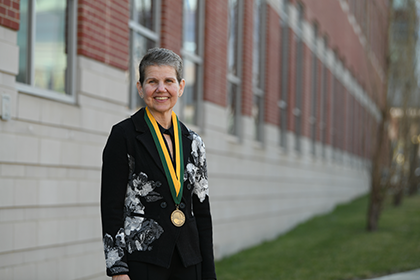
175	178
178	217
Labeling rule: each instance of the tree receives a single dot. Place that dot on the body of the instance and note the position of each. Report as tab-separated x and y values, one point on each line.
391	170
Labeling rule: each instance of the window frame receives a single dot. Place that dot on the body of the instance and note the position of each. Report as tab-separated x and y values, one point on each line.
297	111
70	90
285	62
136	28
324	100
314	90
258	90
236	80
198	59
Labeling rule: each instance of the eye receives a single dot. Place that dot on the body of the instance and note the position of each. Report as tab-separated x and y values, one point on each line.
169	81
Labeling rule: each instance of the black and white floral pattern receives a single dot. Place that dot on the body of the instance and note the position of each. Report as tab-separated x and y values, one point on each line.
114	250
196	171
138	232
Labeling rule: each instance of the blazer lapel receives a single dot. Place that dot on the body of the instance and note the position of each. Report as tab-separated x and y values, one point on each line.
145	137
186	143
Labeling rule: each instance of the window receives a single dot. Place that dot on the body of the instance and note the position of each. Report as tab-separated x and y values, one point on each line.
349	134
297	111
334	109
339	109
284	74
336	116
192	52
258	69
324	100
144	34
314	100
234	66
47	48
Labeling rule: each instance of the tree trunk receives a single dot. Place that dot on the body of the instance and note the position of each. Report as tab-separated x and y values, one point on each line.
413	179
376	188
375	207
398	196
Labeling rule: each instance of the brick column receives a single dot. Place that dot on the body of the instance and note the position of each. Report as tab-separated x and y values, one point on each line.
103	32
10	14
247	61
215	52
171	25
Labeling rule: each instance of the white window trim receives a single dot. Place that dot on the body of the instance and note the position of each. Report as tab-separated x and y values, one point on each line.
134	27
236	79
258	90
70	95
198	59
285	62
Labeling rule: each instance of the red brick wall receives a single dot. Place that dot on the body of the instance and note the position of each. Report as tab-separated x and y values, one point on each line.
247	47
215	53
10	13
333	22
171	25
272	67
103	32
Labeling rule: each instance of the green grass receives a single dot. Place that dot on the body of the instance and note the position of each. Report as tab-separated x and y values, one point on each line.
335	246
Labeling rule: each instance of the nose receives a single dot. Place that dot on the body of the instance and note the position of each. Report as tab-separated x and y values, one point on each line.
161	87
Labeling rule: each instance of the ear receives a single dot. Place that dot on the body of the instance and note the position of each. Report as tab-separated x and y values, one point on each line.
181	88
139	89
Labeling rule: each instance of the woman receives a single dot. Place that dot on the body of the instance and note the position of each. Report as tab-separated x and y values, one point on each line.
155	210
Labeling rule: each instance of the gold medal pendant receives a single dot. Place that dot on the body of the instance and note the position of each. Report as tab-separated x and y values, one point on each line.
178	218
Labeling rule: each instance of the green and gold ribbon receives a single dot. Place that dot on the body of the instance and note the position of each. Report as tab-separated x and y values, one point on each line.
175	179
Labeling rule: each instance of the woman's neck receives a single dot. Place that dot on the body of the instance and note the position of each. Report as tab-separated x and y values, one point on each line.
164	119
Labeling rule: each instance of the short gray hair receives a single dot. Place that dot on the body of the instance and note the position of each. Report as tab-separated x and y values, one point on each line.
160	57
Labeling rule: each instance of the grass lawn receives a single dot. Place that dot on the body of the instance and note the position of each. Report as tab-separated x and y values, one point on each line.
335	246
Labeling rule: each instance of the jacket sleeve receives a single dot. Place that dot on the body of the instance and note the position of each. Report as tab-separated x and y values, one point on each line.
202	213
114	181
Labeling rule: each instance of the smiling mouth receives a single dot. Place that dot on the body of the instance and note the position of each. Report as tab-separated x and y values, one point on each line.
161	98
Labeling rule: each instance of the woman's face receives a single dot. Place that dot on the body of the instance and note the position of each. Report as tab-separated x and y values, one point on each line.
160	89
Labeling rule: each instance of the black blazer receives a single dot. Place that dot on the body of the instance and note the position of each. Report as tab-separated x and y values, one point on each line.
136	202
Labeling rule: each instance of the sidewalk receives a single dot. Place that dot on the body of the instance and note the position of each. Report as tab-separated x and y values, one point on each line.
408	275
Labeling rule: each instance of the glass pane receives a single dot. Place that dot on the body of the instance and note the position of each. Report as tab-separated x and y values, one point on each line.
140	46
50	58
22	39
256	114
190	25
257	46
233	33
143	13
189	98
232	109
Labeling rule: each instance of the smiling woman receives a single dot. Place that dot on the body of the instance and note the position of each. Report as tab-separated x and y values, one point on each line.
150	228
160	91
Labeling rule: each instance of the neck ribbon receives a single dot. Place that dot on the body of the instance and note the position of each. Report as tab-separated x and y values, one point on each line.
174	178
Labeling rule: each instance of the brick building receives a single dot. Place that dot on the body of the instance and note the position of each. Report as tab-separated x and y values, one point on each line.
285	93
